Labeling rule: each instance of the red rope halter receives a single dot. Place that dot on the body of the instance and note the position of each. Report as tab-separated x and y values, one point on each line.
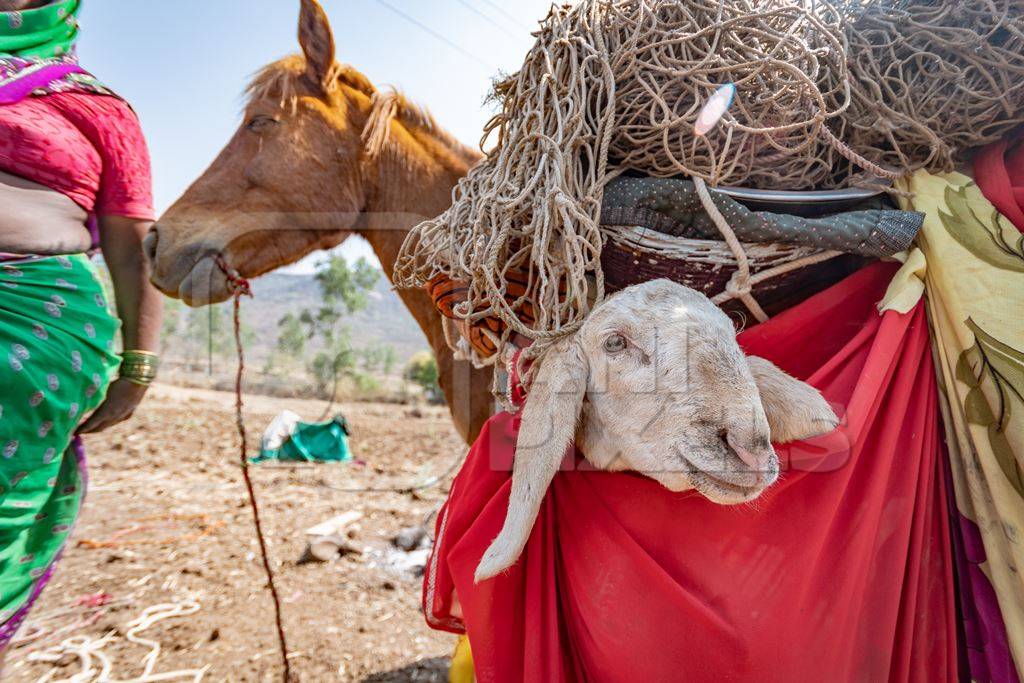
239	287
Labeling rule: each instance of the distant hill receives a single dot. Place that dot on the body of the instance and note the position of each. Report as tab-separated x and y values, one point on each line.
385	320
187	332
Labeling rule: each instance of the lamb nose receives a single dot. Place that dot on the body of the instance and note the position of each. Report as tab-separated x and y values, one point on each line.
759	461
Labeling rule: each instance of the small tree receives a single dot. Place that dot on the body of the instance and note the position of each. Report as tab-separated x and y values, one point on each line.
290	345
379	358
209	333
422	369
337	360
389	360
291	338
170	325
344	285
345	289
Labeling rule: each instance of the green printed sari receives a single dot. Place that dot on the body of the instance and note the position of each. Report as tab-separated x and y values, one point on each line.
56	360
42	32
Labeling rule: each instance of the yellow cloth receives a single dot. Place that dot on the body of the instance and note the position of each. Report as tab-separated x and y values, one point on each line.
907	285
461	668
974	283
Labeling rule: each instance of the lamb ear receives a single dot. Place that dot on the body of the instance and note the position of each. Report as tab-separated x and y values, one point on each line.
317	43
548	426
795	409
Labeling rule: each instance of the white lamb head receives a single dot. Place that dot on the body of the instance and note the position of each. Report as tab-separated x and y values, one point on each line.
654	382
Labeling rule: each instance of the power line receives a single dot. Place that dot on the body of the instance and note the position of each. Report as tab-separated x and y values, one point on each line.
511	18
486	18
435	34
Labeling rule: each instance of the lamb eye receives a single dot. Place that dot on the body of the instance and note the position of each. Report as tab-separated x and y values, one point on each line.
615	343
259	123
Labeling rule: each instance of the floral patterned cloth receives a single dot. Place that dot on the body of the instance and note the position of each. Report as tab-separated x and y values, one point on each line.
20	78
971	260
56	361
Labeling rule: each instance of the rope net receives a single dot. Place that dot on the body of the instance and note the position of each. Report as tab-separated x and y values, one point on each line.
932	79
828	94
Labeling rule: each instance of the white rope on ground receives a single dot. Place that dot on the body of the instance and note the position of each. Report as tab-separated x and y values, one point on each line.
96	665
41	628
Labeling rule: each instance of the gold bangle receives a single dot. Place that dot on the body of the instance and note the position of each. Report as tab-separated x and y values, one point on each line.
139	354
139	367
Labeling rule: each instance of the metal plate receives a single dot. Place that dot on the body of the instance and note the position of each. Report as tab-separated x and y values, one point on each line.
801	203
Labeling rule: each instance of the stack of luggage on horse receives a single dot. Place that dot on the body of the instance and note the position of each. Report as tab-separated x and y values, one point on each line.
839	181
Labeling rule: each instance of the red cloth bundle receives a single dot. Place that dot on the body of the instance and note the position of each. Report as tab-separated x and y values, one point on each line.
999	172
840	572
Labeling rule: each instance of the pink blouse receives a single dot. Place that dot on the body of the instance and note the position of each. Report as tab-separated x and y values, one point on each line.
88	147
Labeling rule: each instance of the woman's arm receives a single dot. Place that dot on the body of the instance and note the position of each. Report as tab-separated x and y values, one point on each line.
140	307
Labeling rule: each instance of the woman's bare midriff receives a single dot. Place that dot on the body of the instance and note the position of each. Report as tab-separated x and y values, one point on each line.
37	220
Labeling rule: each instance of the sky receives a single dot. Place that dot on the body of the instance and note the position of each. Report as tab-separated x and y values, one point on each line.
183	64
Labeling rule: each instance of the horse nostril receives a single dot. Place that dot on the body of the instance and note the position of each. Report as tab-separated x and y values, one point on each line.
149	244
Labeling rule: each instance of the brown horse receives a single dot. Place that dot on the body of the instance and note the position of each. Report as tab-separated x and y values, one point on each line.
322	154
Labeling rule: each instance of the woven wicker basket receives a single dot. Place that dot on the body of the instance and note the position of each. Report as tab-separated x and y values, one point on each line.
634	254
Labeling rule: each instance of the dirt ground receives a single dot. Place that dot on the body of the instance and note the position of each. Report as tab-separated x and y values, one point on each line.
167	521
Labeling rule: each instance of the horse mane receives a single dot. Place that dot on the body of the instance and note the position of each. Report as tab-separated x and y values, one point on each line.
391	104
282	80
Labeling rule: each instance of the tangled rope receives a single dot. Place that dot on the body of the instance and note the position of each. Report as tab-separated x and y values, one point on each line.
55	624
828	93
96	665
931	79
622	80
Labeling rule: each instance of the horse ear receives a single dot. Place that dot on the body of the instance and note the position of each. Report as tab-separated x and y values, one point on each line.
795	410
317	43
547	429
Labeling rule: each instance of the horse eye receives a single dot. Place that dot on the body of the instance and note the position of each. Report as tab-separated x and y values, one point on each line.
615	343
258	123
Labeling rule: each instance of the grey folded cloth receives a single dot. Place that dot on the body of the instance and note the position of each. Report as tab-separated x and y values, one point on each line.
672	206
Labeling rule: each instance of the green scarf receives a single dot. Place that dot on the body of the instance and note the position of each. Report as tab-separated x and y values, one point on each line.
41	33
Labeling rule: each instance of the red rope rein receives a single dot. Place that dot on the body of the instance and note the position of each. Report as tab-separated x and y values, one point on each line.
239	287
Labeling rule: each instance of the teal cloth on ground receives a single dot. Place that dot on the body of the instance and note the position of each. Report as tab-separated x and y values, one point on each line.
313	442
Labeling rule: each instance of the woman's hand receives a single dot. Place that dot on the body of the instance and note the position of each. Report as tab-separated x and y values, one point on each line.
139	306
123	398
